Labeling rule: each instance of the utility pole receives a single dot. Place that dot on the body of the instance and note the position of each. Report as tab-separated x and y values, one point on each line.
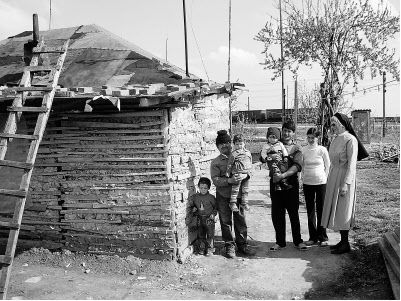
186	44
50	18
229	58
296	103
384	104
282	69
166	48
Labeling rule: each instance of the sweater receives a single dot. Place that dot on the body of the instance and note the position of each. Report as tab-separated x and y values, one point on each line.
316	165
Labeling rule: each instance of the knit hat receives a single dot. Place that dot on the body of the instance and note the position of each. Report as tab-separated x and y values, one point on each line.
222	137
273	131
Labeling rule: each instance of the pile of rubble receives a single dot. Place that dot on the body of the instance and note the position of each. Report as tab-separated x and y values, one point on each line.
389	152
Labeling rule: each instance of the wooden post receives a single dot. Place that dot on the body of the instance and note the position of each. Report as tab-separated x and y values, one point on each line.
35	32
186	44
296	104
384	104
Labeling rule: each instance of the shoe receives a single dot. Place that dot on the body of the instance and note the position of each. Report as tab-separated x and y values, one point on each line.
310	242
335	246
324	243
342	249
246	207
276	247
246	250
208	252
234	207
230	251
302	247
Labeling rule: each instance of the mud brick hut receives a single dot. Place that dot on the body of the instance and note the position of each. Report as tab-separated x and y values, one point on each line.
128	137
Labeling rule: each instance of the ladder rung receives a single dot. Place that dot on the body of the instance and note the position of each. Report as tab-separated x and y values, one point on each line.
9	225
28	109
18	193
16	164
5	259
60	49
39	68
19	136
25	89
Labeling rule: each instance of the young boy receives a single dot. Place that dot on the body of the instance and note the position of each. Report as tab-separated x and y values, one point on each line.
279	163
239	162
204	206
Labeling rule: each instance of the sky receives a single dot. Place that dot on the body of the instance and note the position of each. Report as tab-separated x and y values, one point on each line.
157	26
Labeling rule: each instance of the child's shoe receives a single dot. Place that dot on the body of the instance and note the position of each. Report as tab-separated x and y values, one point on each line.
246	207
277	187
233	207
208	252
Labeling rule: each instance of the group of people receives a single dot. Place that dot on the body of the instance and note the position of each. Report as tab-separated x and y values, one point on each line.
328	178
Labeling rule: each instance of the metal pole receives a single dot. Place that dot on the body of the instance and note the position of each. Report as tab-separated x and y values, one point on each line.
248	105
384	104
282	69
166	48
296	104
50	18
229	58
186	44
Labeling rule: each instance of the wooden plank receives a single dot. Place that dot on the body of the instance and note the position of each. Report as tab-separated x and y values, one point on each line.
117	132
5	259
15	164
17	193
117	182
57	192
28	109
107	146
71	166
9	225
39	68
85	221
393	243
105	159
397	233
155	113
27	89
94	211
77	139
390	257
19	136
39	50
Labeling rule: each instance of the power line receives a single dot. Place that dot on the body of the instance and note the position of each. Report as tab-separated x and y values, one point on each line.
193	32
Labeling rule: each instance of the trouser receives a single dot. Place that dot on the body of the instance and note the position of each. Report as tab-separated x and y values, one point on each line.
314	199
240	190
228	219
206	232
283	200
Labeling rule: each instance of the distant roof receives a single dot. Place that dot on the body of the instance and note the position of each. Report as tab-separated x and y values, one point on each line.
95	57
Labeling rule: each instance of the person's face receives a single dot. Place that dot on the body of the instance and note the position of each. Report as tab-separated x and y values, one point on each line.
203	188
287	134
272	139
239	145
312	140
334	127
224	148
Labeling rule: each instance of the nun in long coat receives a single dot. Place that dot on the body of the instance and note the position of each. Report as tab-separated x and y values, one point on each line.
339	203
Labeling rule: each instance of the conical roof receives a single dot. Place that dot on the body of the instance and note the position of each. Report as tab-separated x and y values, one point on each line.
95	57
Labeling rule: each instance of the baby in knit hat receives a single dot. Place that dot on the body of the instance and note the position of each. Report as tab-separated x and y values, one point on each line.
278	163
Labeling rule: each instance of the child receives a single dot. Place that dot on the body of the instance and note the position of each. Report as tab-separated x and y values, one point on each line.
239	162
204	206
279	163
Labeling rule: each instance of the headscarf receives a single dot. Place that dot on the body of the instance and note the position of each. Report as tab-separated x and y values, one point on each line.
344	120
222	137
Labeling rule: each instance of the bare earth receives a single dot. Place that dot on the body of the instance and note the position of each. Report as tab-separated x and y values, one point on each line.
286	274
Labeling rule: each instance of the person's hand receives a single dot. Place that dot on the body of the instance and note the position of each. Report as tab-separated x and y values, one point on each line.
273	157
344	189
277	177
235	179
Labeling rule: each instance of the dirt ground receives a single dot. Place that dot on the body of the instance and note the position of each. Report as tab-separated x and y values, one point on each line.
287	274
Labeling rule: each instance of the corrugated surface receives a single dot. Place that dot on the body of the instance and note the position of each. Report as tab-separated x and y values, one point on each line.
95	56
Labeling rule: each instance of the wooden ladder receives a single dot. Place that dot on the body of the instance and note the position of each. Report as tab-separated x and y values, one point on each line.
15	111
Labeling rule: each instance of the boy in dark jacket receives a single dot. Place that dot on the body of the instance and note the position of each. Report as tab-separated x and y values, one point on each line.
203	206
